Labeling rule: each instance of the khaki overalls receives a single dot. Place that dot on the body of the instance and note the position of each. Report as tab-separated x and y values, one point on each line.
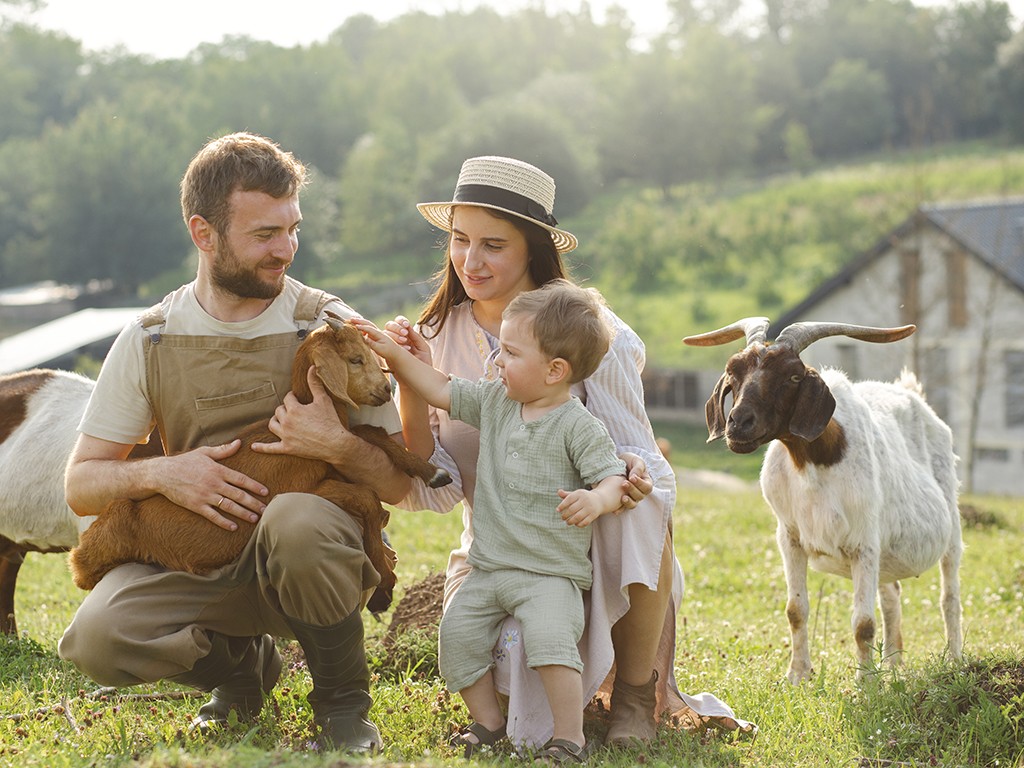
305	561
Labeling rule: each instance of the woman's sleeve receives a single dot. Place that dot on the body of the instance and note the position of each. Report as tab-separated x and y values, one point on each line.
615	395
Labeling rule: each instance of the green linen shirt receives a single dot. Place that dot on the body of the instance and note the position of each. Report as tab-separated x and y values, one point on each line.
521	467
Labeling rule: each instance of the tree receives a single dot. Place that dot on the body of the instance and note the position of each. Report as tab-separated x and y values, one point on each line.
852	112
1010	86
37	70
680	116
970	35
109	205
892	38
23	259
377	195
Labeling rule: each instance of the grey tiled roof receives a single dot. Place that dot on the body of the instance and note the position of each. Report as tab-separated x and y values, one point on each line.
992	230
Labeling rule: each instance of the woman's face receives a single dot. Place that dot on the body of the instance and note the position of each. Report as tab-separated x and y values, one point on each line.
490	256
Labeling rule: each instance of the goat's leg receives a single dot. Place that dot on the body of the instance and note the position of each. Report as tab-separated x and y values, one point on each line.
798	605
949	568
403	459
11	558
864	568
892	618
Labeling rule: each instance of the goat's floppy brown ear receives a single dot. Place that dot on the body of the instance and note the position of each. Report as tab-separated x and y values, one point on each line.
333	372
814	407
714	410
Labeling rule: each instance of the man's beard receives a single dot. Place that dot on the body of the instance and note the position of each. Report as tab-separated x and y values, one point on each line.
229	275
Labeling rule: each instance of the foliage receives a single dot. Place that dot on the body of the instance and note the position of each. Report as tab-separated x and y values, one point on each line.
93	144
756	247
732	639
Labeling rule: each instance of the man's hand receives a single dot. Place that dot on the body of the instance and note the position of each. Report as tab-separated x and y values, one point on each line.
208	488
312	431
97	473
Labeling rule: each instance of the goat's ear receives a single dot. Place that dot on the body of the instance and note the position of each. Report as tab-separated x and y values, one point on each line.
333	373
714	410
814	407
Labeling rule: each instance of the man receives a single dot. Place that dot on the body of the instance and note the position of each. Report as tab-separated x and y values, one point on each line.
213	356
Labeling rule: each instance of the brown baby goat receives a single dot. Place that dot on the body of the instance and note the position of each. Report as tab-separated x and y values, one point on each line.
156	530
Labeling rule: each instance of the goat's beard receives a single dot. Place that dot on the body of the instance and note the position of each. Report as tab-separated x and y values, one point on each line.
228	274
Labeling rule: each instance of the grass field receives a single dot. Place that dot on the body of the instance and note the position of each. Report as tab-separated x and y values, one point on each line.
732	640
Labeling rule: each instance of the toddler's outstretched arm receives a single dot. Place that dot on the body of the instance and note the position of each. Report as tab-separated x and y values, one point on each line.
431	384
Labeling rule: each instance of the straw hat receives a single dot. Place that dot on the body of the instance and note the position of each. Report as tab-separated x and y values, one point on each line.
508	185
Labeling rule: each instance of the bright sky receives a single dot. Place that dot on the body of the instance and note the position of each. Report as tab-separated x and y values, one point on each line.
172	29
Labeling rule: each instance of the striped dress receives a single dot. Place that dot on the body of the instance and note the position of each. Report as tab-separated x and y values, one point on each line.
626	548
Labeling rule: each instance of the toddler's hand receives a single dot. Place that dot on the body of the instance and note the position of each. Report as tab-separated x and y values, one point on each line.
580	507
401	331
378	340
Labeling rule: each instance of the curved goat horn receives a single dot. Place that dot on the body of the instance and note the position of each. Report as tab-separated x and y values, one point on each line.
754	328
799	336
334	320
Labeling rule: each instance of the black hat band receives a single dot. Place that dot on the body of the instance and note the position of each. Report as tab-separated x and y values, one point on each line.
484	194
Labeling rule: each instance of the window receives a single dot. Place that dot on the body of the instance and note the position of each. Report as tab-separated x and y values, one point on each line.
999	455
935	377
910	266
956	288
1014	364
672	389
691	396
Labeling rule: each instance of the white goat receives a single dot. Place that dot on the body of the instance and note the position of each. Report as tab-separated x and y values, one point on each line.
861	477
39	415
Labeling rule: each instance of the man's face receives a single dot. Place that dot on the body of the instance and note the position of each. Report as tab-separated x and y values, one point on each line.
259	246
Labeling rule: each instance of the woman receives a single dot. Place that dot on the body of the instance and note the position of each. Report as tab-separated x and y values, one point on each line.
503	239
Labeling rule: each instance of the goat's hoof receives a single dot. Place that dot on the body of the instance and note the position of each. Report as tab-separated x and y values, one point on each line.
440	479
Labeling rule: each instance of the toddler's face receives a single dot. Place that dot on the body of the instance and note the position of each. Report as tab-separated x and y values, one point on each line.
521	363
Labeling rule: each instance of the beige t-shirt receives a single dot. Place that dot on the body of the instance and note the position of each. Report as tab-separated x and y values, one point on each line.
120	410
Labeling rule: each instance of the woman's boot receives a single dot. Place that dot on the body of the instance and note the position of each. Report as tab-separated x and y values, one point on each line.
341	684
632	716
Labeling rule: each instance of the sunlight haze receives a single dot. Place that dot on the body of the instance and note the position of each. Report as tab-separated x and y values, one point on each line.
172	30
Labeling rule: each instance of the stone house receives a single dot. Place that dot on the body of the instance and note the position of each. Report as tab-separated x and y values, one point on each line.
956	270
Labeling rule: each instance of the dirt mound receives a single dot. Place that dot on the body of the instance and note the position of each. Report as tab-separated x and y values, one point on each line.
419	608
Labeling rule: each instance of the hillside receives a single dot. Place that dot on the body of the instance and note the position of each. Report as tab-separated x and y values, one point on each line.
707	255
757	246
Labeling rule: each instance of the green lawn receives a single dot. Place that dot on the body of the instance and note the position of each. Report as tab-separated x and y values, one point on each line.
733	641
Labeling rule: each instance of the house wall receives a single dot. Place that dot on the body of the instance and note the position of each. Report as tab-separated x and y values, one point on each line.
959	351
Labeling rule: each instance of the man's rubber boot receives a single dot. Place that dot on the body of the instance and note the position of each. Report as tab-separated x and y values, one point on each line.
340	697
238	671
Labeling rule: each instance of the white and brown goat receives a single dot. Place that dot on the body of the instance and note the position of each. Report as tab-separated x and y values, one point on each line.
861	477
39	415
155	530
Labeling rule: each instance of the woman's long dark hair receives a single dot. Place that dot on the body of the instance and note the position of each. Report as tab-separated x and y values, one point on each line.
544	262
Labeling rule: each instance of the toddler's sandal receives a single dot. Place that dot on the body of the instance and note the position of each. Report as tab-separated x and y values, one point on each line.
484	738
558	751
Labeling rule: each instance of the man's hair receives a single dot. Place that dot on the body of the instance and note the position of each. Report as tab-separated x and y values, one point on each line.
239	161
568	322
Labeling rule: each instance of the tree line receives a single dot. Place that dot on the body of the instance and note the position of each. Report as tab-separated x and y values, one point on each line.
92	145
